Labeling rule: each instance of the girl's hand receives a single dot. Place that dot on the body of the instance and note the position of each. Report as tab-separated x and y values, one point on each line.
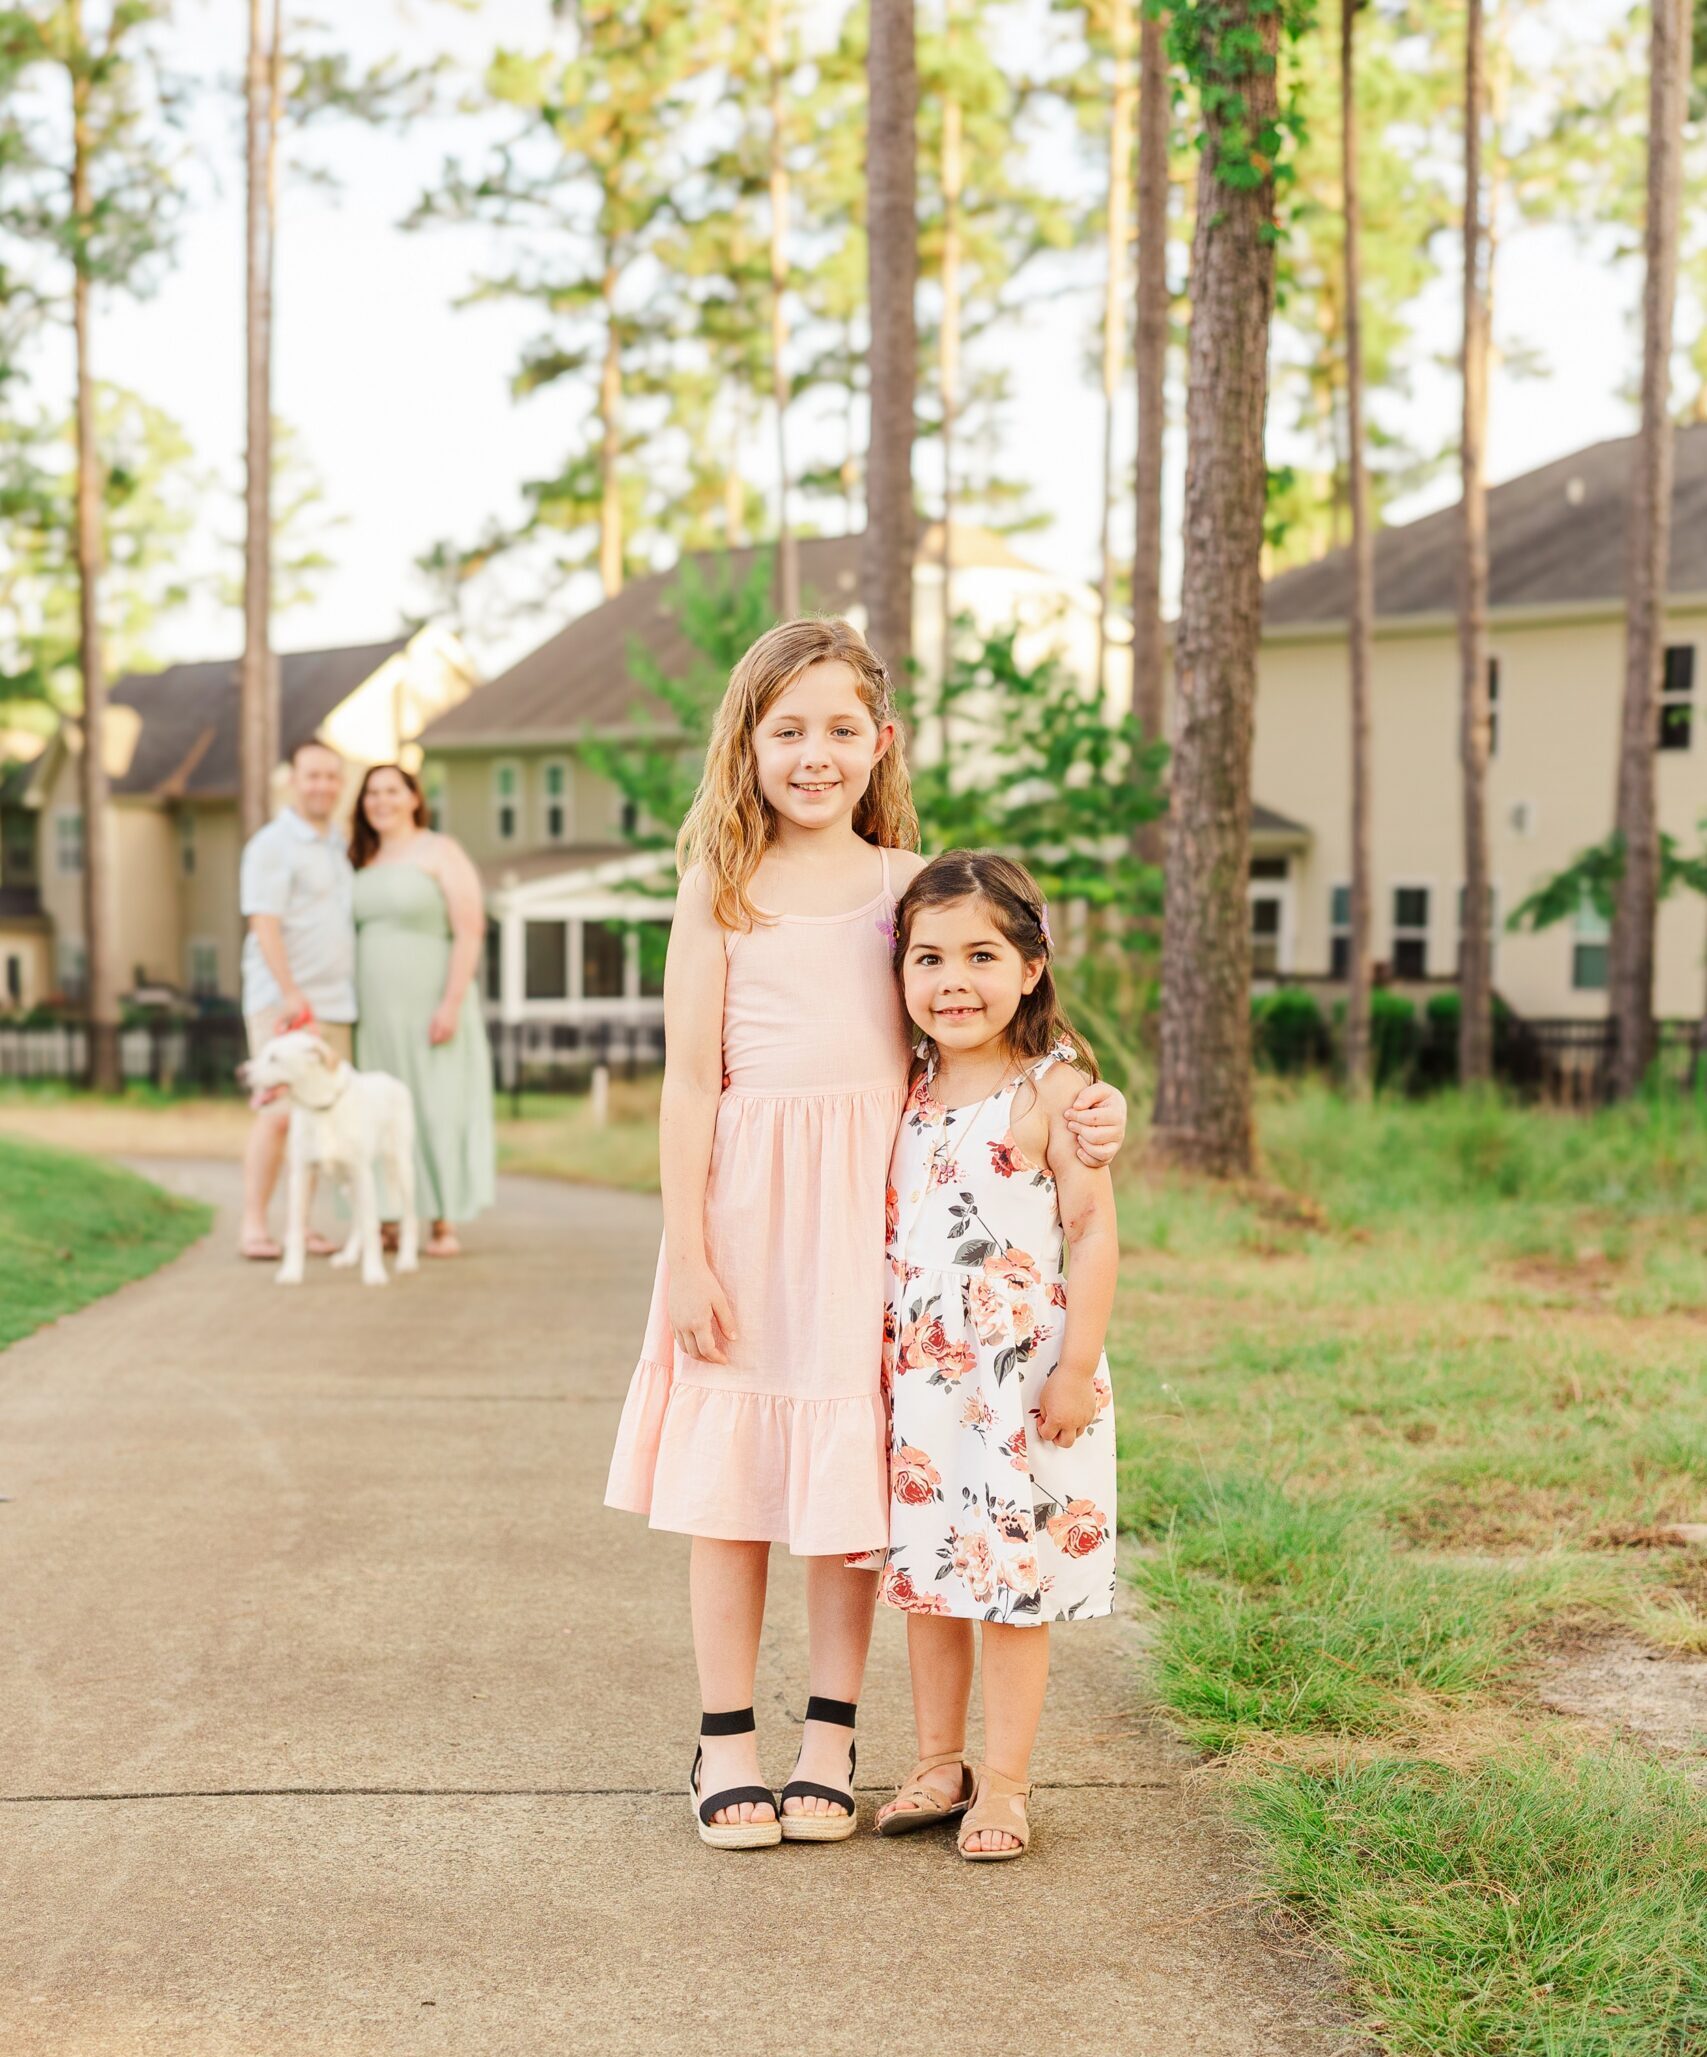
1097	1119
1066	1407
443	1024
701	1316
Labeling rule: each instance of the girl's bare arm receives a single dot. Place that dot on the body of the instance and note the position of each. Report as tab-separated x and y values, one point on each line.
1086	1195
694	975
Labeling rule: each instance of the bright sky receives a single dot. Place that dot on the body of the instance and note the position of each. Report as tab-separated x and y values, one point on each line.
401	399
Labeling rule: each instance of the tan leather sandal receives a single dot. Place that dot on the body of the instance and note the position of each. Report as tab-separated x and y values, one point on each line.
998	1803
927	1806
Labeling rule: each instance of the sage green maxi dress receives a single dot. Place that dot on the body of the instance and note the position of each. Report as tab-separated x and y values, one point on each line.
403	943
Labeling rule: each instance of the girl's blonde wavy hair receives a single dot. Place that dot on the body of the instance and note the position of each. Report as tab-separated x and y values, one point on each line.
729	827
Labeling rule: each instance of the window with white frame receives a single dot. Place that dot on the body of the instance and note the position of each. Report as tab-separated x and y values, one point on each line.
14	992
68	841
546	960
555	779
187	842
433	792
506	801
1339	932
1410	932
1591	934
1493	707
1677	697
72	962
203	958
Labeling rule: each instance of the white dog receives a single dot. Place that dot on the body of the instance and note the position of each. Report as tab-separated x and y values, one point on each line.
353	1123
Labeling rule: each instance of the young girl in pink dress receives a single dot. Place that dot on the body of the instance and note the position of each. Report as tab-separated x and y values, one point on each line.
756	1413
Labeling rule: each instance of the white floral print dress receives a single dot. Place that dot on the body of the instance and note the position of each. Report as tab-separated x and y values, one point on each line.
986	1520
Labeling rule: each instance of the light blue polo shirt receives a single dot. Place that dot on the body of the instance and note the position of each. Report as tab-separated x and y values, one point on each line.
304	878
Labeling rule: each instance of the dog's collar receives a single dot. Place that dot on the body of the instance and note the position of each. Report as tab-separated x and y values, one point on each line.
345	1073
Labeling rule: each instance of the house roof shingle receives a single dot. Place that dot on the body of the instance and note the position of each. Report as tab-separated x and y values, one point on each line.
187	745
579	678
1556	537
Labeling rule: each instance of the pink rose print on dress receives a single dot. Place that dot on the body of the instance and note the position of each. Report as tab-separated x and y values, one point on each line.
1078	1529
970	1556
914	1479
900	1591
1012	1268
989	1311
1005	1160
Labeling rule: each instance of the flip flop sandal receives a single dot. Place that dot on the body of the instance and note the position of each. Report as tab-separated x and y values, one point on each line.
823	1828
731	1835
931	1810
998	1803
259	1250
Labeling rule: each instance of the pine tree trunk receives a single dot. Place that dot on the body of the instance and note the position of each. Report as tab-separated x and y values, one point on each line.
1203	1095
610	445
1149	649
949	374
787	556
1475	984
99	942
893	261
1357	1066
1648	552
258	722
1115	237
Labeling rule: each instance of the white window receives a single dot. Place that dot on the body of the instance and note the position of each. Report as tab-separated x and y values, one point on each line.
73	965
1677	697
506	801
13	993
1269	894
1591	933
203	958
1493	707
1339	931
433	790
68	841
187	843
555	777
1410	932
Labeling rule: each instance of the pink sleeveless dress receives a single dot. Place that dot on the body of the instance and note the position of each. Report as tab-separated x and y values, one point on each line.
787	1442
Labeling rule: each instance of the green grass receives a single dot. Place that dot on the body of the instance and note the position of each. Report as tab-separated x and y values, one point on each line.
72	1229
1391	1423
1526	1907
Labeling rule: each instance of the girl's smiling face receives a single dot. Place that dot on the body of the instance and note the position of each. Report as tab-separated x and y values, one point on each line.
816	745
961	979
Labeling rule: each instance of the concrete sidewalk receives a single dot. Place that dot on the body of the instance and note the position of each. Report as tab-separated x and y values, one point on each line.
341	1718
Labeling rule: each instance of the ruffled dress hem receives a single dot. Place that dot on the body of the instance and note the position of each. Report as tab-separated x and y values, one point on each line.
775	1454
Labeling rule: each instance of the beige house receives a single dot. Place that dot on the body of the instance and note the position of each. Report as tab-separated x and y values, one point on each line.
1556	658
171	744
507	774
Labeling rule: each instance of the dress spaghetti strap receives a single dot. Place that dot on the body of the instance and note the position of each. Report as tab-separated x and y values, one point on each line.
883	857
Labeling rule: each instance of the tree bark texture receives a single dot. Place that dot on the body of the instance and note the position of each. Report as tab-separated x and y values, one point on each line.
949	373
893	262
1149	650
1475	980
1203	1096
1648	552
1357	1037
258	724
610	446
787	555
100	967
1116	219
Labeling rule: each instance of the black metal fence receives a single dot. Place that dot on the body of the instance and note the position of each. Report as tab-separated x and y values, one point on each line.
201	1054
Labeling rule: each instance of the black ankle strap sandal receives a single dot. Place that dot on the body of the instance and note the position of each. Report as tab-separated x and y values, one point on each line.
824	1828
731	1835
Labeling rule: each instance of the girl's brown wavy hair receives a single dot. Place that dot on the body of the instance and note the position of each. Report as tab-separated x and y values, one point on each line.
729	827
1016	906
364	839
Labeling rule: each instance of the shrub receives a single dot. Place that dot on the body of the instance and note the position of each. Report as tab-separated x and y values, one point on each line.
1289	1032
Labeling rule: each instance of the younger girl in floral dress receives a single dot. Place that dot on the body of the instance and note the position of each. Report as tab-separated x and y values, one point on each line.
1001	1442
755	1415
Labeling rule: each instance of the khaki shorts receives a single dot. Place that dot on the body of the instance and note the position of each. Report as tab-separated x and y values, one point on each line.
261	1028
